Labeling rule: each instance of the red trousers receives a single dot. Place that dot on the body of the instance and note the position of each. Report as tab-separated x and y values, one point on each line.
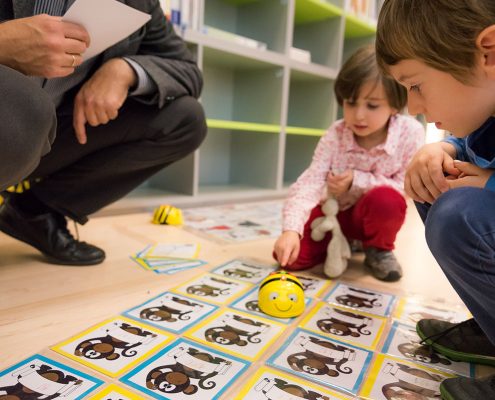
375	220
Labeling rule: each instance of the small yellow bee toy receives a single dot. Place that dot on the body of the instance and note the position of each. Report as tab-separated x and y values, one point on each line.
281	295
167	215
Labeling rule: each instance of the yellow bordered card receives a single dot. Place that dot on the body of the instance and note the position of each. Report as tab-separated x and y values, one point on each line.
391	377
355	327
113	346
114	392
312	285
173	250
270	384
213	288
237	333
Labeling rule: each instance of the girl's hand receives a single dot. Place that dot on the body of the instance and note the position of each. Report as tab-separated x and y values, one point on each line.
471	175
425	179
339	184
287	248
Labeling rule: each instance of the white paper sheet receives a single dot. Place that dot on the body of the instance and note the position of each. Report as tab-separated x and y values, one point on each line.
107	22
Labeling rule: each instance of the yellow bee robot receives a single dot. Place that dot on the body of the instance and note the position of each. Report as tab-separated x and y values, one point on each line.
281	295
167	215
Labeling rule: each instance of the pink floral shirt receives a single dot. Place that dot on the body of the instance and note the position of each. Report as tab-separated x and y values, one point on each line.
337	151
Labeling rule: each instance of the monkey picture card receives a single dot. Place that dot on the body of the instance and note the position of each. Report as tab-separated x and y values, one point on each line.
312	285
113	346
323	360
355	327
171	311
270	384
115	392
39	377
237	333
411	310
392	378
173	250
185	370
371	301
249	303
213	288
404	342
245	269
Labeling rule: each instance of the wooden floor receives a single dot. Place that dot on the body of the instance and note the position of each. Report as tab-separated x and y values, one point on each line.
42	304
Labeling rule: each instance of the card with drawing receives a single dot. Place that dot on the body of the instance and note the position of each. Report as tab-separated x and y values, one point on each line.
113	346
355	327
371	301
313	286
39	377
237	333
392	378
186	370
249	303
173	250
404	342
270	384
411	310
323	360
213	288
171	311
114	392
245	269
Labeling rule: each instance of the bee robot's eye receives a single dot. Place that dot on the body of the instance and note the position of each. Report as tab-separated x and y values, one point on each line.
293	297
273	296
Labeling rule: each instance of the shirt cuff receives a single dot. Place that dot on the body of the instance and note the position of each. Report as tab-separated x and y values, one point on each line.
490	184
145	84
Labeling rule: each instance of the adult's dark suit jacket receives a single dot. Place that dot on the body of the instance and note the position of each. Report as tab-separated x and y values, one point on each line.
155	46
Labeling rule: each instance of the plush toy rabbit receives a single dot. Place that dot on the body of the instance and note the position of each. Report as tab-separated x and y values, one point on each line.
338	250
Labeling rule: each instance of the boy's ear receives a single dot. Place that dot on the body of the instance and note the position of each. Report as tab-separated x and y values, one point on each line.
485	42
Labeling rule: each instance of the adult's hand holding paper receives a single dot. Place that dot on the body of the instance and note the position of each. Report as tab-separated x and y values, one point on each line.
107	22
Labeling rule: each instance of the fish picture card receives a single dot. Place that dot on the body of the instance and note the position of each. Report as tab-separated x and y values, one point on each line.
39	377
411	310
270	384
171	311
240	334
357	298
213	288
245	269
404	342
113	346
313	286
186	370
323	360
392	378
173	250
114	392
355	327
249	303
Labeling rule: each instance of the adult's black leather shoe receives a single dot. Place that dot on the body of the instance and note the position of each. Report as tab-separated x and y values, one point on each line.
49	234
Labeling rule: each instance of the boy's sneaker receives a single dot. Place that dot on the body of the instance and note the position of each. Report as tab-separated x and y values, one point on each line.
468	388
383	264
460	342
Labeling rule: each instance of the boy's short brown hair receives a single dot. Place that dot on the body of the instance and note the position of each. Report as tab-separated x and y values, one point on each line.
440	33
361	68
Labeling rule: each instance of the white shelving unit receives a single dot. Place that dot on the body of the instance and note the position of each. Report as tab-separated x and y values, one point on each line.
265	110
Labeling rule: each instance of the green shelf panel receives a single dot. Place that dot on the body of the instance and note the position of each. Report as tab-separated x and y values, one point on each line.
295	130
242	126
356	27
315	11
240	2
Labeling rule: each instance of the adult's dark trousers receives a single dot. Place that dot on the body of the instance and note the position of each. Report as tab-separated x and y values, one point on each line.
27	126
460	232
78	180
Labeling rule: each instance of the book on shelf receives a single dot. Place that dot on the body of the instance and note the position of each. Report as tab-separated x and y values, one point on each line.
365	9
182	13
234	38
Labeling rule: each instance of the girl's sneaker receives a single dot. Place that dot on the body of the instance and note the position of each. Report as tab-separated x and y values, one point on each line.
383	264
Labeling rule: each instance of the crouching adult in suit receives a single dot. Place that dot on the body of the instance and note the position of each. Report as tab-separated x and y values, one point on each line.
119	118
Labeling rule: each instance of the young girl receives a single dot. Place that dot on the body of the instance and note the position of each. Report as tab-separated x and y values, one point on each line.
361	161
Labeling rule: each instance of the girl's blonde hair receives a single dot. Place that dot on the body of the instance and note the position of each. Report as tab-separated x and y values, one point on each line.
440	33
362	68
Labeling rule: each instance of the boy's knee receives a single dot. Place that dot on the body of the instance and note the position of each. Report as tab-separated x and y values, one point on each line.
193	120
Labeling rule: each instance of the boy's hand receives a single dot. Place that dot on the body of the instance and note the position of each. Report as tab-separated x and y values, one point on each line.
287	248
339	184
471	175
425	179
